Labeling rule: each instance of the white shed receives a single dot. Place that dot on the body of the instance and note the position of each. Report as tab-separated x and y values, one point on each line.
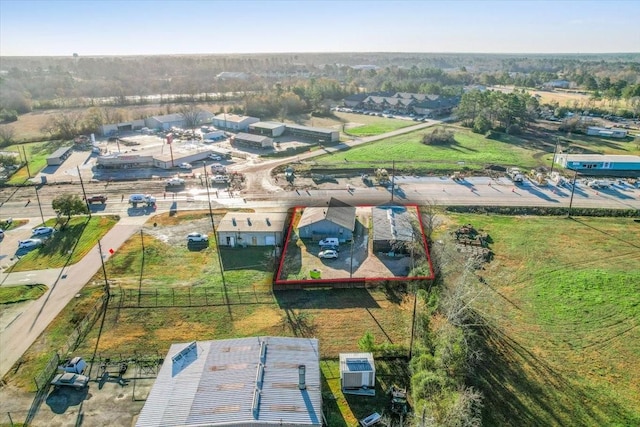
357	373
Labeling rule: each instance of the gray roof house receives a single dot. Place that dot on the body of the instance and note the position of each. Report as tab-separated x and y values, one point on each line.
259	381
392	228
338	219
251	229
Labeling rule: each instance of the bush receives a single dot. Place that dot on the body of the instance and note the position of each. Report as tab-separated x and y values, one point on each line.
439	136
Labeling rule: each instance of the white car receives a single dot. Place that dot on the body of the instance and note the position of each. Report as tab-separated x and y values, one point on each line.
328	254
220	179
197	237
174	181
42	230
29	243
141	198
185	165
215	157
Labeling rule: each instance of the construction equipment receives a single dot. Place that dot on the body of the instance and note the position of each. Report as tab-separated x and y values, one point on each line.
538	177
515	175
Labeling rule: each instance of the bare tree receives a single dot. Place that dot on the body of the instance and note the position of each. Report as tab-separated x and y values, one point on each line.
7	135
191	115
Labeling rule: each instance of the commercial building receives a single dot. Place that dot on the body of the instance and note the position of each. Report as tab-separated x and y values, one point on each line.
251	229
252	141
607	133
392	228
233	122
270	129
313	133
123	127
178	120
259	381
601	164
124	161
338	219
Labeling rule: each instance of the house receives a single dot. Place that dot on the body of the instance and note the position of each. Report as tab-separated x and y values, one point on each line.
258	381
357	373
338	219
607	133
234	122
252	141
435	105
251	229
600	164
406	103
563	84
313	133
270	129
392	228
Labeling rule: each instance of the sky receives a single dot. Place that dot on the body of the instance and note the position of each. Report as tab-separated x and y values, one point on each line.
94	27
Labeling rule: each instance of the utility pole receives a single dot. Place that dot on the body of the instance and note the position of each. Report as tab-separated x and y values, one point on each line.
393	179
84	193
213	227
104	271
26	161
39	205
573	189
555	149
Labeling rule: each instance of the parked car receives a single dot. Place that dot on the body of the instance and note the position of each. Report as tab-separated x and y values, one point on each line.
218	168
1	235
330	248
328	254
197	237
174	181
77	365
39	231
329	241
97	199
185	165
29	243
215	157
69	379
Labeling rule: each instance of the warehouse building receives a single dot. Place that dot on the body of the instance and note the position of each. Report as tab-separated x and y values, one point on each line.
601	164
118	128
252	141
270	129
607	133
234	122
312	133
124	161
251	229
258	381
392	229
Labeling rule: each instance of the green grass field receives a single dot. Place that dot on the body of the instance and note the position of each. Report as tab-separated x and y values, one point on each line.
13	294
470	151
377	128
563	299
67	246
37	153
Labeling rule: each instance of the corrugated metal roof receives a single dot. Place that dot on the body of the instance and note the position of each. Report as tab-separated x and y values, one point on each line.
251	137
310	129
267	125
617	158
248	381
233	118
357	362
258	222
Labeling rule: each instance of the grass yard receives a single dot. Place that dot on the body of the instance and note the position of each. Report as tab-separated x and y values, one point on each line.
37	153
471	151
563	297
67	246
377	128
13	294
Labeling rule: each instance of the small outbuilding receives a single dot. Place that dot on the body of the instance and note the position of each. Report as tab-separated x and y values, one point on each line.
358	373
59	156
607	133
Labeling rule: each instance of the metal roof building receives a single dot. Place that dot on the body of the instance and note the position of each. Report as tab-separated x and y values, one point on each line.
357	373
336	220
246	381
392	228
601	164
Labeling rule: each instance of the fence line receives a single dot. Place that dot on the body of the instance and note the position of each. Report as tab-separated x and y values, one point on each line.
188	297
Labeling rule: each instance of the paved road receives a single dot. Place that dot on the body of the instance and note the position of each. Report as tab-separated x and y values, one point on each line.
63	285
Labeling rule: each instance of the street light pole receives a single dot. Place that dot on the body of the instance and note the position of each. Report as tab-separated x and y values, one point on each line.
39	205
84	193
393	178
553	160
573	189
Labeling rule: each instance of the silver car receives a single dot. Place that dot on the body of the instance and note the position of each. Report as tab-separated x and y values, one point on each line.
69	379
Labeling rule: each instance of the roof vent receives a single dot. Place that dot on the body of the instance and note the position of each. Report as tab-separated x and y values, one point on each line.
233	221
268	222
302	384
249	221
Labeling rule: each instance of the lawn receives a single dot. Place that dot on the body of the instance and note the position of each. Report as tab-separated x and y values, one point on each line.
470	151
37	153
563	301
67	246
13	294
377	128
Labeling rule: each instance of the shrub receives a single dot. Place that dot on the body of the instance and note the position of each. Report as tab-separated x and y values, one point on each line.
439	136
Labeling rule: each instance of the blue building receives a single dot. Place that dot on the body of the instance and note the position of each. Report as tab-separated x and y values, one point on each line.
600	164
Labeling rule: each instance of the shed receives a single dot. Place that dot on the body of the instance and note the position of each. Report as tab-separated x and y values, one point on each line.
257	381
357	373
607	133
251	229
59	156
338	219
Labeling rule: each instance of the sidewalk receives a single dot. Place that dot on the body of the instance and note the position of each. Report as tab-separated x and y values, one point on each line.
63	285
